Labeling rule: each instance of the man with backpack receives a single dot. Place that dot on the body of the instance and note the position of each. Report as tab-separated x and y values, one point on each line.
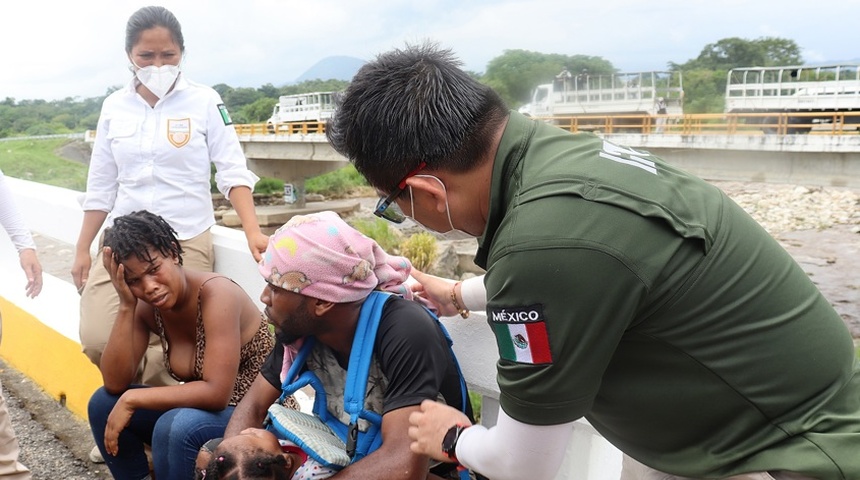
319	273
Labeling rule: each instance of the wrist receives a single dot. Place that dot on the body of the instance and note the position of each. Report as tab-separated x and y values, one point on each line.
458	305
449	441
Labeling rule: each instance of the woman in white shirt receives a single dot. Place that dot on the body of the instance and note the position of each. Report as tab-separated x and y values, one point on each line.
12	221
155	142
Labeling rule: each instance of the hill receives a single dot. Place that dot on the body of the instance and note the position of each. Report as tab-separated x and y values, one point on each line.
335	67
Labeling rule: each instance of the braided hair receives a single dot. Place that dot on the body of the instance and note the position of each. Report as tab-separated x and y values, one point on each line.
137	232
255	464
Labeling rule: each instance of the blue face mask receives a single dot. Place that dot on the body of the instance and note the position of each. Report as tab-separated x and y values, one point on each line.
453	233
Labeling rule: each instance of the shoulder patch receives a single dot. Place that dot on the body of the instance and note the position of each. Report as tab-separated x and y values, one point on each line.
521	334
225	115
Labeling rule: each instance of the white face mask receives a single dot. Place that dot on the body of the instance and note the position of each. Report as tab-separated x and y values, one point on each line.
158	80
453	233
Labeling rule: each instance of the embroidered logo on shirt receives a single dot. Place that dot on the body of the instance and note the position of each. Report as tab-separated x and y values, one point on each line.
521	334
179	131
225	115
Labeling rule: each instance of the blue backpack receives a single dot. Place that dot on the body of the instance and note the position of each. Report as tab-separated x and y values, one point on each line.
325	438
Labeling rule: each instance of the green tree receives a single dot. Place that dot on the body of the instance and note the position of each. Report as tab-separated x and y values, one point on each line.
704	91
781	51
269	90
223	89
317	85
259	111
66	119
735	52
237	98
516	73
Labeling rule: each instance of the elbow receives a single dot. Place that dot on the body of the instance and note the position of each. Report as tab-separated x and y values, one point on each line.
216	400
218	405
115	388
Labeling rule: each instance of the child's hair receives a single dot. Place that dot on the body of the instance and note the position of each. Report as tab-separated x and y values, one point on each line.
135	233
254	464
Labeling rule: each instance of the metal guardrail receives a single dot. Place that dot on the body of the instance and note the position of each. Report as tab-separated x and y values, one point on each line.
814	123
43	137
294	128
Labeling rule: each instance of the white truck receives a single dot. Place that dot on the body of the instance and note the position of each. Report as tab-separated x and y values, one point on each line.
816	92
311	108
639	93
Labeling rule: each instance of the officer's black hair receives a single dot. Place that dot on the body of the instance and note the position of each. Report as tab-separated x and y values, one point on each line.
151	17
414	105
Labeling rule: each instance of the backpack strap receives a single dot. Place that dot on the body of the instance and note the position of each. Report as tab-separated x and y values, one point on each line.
294	380
360	357
463	397
463	473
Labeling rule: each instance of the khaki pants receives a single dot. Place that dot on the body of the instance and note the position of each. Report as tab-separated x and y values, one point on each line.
633	470
100	303
10	467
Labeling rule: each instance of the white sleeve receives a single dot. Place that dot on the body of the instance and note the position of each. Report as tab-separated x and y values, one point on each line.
513	450
225	151
12	220
474	293
103	172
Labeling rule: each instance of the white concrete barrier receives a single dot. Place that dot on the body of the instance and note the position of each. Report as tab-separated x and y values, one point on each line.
41	337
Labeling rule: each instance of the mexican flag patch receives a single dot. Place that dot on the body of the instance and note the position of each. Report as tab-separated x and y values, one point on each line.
225	115
521	334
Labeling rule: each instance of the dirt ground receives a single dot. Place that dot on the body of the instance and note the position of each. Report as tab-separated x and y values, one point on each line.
831	258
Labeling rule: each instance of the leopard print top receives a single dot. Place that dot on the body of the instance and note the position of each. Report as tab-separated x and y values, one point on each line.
251	357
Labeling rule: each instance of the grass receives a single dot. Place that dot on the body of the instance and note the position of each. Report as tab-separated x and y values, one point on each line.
387	238
420	249
338	183
36	160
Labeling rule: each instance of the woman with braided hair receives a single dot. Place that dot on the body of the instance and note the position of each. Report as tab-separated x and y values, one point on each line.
215	339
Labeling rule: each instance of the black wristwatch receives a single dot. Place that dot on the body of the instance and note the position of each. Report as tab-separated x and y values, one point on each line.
449	443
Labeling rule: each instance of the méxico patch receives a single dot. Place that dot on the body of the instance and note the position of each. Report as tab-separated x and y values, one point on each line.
521	334
225	115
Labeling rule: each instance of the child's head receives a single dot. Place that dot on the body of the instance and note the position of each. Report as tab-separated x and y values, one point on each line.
257	454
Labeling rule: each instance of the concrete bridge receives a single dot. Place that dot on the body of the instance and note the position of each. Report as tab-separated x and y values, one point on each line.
827	160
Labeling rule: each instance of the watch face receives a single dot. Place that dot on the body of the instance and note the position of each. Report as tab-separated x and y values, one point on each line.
449	443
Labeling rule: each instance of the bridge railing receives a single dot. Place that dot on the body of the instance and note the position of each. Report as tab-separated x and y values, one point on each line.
816	123
294	128
41	337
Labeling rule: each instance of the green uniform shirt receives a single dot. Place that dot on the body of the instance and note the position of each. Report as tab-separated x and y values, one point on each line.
643	298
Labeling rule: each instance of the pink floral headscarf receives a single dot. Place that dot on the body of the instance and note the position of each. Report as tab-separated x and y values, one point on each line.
321	256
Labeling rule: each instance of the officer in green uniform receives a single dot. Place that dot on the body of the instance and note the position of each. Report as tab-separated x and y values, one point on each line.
619	288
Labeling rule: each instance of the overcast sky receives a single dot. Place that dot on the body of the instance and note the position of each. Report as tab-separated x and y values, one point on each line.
53	49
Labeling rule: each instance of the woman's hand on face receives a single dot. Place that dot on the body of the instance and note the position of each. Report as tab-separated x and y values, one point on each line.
117	277
118	419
